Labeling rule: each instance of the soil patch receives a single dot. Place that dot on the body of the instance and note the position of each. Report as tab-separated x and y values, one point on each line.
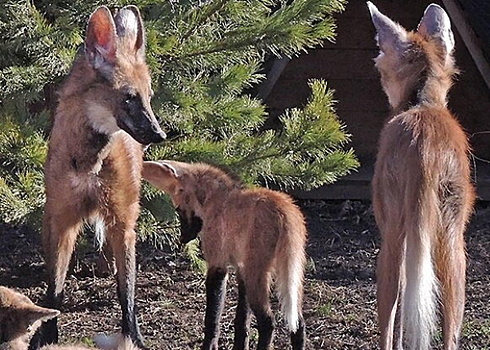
339	305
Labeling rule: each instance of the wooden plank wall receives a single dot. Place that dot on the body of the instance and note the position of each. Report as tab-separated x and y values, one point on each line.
478	12
348	67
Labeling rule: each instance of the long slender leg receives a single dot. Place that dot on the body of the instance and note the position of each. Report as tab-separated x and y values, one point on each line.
122	240
257	284
265	325
59	235
388	291
242	319
451	270
298	337
399	317
119	208
215	298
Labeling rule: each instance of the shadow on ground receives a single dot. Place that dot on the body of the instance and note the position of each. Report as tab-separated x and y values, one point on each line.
339	306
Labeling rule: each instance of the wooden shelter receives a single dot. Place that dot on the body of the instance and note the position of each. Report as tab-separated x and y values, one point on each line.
348	68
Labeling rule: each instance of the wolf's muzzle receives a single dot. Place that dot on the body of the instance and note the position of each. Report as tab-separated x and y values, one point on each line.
140	123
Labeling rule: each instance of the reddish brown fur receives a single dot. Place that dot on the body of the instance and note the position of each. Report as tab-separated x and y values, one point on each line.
422	195
93	168
258	231
20	317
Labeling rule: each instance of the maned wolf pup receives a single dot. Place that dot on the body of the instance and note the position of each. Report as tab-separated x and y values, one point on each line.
20	317
258	231
93	168
422	193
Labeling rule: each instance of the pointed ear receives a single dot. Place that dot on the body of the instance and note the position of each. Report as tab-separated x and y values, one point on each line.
37	313
161	175
100	41
436	23
391	37
130	30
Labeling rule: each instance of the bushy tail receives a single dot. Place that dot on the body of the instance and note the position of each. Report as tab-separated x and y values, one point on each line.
290	267
421	292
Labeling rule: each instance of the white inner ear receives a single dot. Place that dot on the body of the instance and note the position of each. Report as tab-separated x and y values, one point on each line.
128	23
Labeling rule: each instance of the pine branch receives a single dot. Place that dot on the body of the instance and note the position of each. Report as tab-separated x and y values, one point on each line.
199	16
203	58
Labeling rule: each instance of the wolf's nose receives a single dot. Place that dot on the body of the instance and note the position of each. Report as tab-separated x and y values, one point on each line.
159	136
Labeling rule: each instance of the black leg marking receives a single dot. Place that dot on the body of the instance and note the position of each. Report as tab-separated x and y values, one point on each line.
242	319
47	333
298	337
215	298
265	326
130	325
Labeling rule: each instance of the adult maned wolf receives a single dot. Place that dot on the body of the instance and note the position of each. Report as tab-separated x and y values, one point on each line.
93	168
422	193
20	317
258	231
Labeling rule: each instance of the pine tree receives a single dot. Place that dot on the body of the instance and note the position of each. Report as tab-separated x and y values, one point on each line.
206	59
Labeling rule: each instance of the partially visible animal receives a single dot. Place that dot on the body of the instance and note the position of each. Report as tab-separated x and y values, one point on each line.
258	231
422	191
20	317
93	170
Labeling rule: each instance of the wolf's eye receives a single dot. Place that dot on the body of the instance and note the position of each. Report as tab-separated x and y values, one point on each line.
128	98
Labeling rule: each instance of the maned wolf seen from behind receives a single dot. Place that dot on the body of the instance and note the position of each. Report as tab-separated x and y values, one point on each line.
422	193
258	231
20	317
93	169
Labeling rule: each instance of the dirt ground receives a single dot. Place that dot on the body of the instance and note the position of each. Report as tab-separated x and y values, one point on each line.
339	306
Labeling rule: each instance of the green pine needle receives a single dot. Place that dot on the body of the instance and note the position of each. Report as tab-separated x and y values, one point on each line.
206	58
